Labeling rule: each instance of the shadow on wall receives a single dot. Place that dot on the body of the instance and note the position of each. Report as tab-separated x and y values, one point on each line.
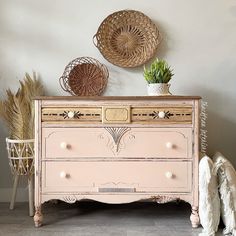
221	130
233	10
5	174
163	47
221	136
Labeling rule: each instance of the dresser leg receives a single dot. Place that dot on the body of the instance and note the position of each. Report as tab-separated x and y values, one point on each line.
195	217
38	217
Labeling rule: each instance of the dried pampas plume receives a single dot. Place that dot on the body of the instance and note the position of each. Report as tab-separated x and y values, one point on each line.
17	110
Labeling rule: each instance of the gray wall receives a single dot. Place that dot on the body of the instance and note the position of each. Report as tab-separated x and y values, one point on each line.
199	41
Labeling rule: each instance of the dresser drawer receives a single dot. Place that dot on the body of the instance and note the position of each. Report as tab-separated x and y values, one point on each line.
123	142
116	176
119	114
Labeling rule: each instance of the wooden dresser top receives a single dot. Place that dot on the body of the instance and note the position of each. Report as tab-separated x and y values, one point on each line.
102	98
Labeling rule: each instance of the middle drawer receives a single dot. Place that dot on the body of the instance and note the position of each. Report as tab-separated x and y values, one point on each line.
123	142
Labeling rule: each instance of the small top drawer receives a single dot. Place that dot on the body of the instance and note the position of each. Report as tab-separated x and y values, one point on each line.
171	114
117	142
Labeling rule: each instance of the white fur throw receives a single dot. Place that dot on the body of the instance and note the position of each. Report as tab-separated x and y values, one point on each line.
209	202
227	187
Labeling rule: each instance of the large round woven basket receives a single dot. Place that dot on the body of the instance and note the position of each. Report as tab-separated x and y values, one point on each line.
84	76
127	38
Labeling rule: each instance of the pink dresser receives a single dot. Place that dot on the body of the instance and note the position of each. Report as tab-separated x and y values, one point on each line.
117	150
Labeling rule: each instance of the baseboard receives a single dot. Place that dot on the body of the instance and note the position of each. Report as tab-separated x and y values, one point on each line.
21	196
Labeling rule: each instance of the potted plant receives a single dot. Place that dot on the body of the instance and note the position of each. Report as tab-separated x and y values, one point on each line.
158	76
17	110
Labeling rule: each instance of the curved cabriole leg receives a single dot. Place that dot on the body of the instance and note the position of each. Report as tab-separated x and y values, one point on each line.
195	217
38	217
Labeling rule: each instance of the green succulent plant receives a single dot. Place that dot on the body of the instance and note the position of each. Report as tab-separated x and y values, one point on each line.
158	72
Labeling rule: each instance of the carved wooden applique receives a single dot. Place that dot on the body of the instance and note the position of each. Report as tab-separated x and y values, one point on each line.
115	114
116	134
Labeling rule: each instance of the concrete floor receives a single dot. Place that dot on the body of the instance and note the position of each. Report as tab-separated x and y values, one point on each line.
97	219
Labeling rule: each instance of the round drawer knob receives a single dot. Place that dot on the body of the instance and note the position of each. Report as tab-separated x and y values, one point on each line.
169	145
161	114
64	145
71	114
63	175
169	175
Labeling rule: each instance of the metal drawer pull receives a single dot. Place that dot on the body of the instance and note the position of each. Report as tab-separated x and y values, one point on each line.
120	190
169	175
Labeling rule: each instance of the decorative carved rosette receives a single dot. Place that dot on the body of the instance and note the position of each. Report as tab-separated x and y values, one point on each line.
69	199
164	199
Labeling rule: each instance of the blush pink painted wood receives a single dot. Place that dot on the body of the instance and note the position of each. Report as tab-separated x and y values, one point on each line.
146	148
138	177
134	143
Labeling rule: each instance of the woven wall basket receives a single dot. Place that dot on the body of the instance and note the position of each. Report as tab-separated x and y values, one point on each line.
127	38
84	76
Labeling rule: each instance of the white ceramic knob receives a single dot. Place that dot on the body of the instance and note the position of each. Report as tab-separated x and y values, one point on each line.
71	114
161	114
63	175
64	145
169	145
169	175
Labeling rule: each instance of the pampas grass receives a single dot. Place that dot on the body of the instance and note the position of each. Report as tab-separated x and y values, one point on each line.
18	109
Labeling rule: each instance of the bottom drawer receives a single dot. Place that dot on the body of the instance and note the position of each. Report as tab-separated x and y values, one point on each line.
116	177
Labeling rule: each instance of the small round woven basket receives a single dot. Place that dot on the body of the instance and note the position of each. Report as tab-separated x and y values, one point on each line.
84	76
127	38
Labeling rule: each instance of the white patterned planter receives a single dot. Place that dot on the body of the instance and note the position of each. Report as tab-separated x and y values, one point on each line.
158	89
21	160
21	156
